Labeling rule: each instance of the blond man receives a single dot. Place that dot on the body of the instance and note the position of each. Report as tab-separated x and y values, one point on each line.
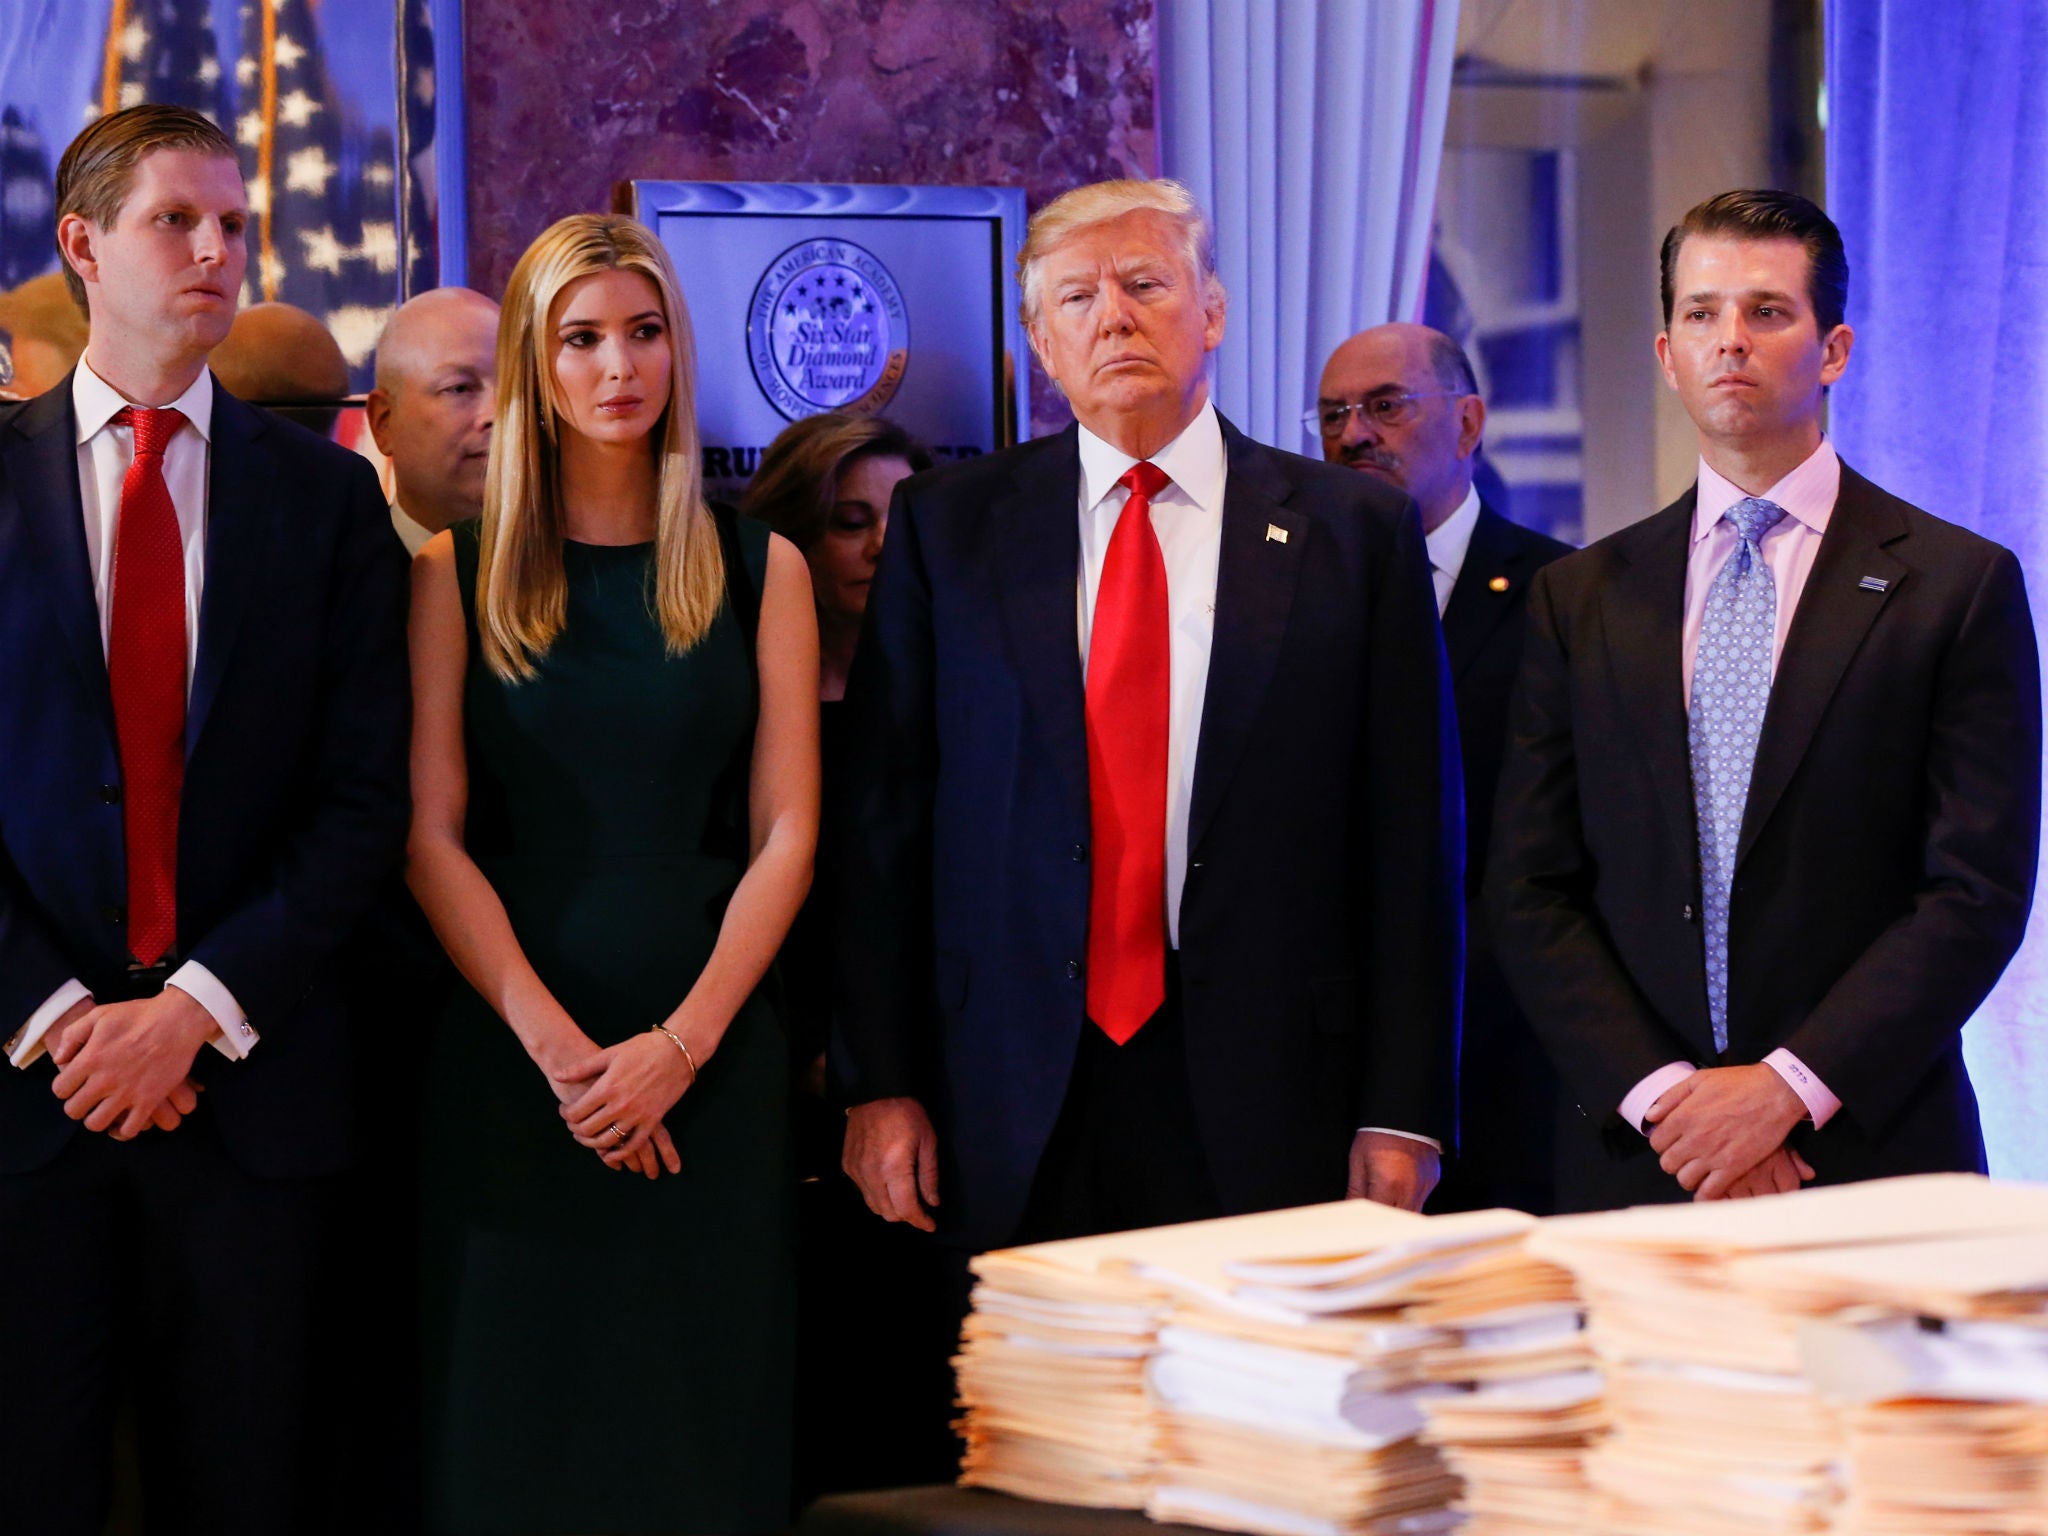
1147	852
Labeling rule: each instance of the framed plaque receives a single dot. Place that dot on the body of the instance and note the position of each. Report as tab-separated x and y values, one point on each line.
897	301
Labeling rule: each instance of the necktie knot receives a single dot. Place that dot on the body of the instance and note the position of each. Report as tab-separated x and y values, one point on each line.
153	428
1144	479
1752	516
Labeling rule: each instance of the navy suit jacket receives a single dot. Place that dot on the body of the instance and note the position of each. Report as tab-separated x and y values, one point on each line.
1887	854
295	797
1320	927
1507	1090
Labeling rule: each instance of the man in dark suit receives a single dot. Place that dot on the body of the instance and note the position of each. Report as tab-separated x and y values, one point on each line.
203	706
1767	827
1148	839
1400	401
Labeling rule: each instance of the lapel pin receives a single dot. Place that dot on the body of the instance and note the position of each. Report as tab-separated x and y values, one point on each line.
1498	584
1275	534
1873	584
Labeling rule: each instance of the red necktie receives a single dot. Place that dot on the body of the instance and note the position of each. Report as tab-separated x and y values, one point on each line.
146	670
1129	700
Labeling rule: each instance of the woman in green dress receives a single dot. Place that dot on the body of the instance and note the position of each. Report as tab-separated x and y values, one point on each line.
615	783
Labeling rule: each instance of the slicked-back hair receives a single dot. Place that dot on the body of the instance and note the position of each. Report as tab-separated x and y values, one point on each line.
1764	214
1099	202
798	481
98	169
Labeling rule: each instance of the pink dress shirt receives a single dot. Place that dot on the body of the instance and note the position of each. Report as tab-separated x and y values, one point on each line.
1808	496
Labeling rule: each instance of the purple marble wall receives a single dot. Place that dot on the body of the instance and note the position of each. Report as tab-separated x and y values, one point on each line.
568	99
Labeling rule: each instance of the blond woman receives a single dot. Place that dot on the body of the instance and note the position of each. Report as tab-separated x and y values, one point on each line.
615	808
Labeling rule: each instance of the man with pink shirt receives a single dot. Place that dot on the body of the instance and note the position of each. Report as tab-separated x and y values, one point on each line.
1767	828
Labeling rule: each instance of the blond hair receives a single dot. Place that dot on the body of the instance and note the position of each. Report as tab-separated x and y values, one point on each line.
522	594
1098	203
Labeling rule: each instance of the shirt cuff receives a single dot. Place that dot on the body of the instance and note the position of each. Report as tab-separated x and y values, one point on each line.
237	1035
1388	1130
1813	1093
27	1045
1644	1096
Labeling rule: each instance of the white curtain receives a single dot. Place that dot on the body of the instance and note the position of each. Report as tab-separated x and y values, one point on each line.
1311	131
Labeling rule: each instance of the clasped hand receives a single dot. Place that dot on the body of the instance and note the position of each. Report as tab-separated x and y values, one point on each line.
1721	1133
630	1085
124	1067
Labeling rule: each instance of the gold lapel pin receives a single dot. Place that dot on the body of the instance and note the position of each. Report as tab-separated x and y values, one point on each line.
1275	534
1498	584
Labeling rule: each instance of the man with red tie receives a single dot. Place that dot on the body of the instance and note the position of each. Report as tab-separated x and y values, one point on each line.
1147	848
202	785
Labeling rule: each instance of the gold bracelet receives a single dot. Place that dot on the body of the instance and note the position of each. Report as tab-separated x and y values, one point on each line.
663	1029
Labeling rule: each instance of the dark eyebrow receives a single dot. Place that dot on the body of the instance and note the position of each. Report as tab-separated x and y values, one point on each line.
1771	295
645	314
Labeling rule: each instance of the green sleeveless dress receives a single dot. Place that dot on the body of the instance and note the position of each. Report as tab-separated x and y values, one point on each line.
604	1353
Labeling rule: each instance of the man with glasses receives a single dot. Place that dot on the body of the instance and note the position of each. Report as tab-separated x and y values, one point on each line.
1400	402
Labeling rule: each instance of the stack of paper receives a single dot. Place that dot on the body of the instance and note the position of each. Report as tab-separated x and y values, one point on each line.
1939	1350
1528	1402
1052	1367
1051	1377
1926	1468
1294	1373
1717	1427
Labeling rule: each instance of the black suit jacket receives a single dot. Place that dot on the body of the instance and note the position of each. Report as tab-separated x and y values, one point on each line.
1320	924
295	798
1507	1091
1887	855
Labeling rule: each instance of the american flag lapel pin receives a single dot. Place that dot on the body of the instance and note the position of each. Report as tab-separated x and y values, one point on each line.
1873	584
1275	534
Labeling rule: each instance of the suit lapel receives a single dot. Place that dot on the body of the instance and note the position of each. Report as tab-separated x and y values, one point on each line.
1834	615
241	474
1643	618
1255	580
1476	608
1039	545
42	479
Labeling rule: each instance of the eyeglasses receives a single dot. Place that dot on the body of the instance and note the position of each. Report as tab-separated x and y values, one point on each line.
1380	410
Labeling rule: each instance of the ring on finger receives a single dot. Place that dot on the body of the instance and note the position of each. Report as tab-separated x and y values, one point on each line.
623	1135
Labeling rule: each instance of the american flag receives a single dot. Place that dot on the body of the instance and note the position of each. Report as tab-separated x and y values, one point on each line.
161	51
422	236
28	238
326	234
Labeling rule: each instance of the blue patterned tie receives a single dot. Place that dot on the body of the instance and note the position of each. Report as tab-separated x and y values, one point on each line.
1731	684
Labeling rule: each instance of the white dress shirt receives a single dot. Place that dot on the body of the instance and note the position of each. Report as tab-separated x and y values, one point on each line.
1447	545
105	451
410	533
1789	546
1187	517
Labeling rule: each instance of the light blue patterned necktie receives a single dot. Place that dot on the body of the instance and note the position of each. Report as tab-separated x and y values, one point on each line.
1731	685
